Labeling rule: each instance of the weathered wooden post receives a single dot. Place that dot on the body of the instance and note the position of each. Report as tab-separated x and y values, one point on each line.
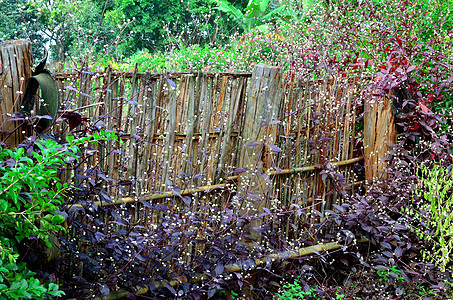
15	70
259	133
379	131
263	106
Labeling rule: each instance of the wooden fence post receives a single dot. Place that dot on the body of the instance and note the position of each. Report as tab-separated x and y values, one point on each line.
263	106
15	70
379	130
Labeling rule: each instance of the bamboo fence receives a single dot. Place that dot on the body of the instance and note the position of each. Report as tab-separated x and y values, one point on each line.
235	133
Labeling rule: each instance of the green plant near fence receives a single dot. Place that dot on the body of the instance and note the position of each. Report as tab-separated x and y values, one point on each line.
436	211
294	291
31	192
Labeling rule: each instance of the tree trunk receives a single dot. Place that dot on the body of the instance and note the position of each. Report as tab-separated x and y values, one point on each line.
15	70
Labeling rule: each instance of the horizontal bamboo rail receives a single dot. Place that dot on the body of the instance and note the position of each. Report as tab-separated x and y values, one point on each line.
241	266
221	186
316	167
180	137
141	75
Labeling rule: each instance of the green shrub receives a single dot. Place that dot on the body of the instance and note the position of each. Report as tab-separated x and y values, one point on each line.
436	211
31	192
295	291
385	274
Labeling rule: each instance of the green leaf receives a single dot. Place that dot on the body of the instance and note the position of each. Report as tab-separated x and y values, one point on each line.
4	205
274	12
263	5
225	6
20	151
70	139
57	219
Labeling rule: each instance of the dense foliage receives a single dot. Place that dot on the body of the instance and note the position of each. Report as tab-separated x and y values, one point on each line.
30	197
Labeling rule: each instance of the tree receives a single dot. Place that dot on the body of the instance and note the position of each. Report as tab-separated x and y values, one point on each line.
77	28
158	24
17	20
257	14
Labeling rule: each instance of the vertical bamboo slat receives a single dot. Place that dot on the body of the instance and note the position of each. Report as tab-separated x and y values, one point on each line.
170	134
132	105
190	126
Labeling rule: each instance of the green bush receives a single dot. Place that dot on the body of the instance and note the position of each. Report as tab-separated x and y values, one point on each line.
295	291
436	211
385	274
30	193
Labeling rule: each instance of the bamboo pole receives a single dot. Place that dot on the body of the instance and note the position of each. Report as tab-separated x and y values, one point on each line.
229	180
60	76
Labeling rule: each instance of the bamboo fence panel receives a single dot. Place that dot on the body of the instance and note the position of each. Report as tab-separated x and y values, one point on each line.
190	130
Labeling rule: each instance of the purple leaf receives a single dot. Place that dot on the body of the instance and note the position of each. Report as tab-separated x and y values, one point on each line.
170	288
274	148
71	88
99	236
11	162
351	223
386	245
338	207
86	95
411	68
62	213
172	83
99	124
398	252
187	200
162	208
211	293
116	216
105	197
253	144
16	119
239	171
399	291
219	269
387	253
43	117
400	227
176	190
147	204
103	177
